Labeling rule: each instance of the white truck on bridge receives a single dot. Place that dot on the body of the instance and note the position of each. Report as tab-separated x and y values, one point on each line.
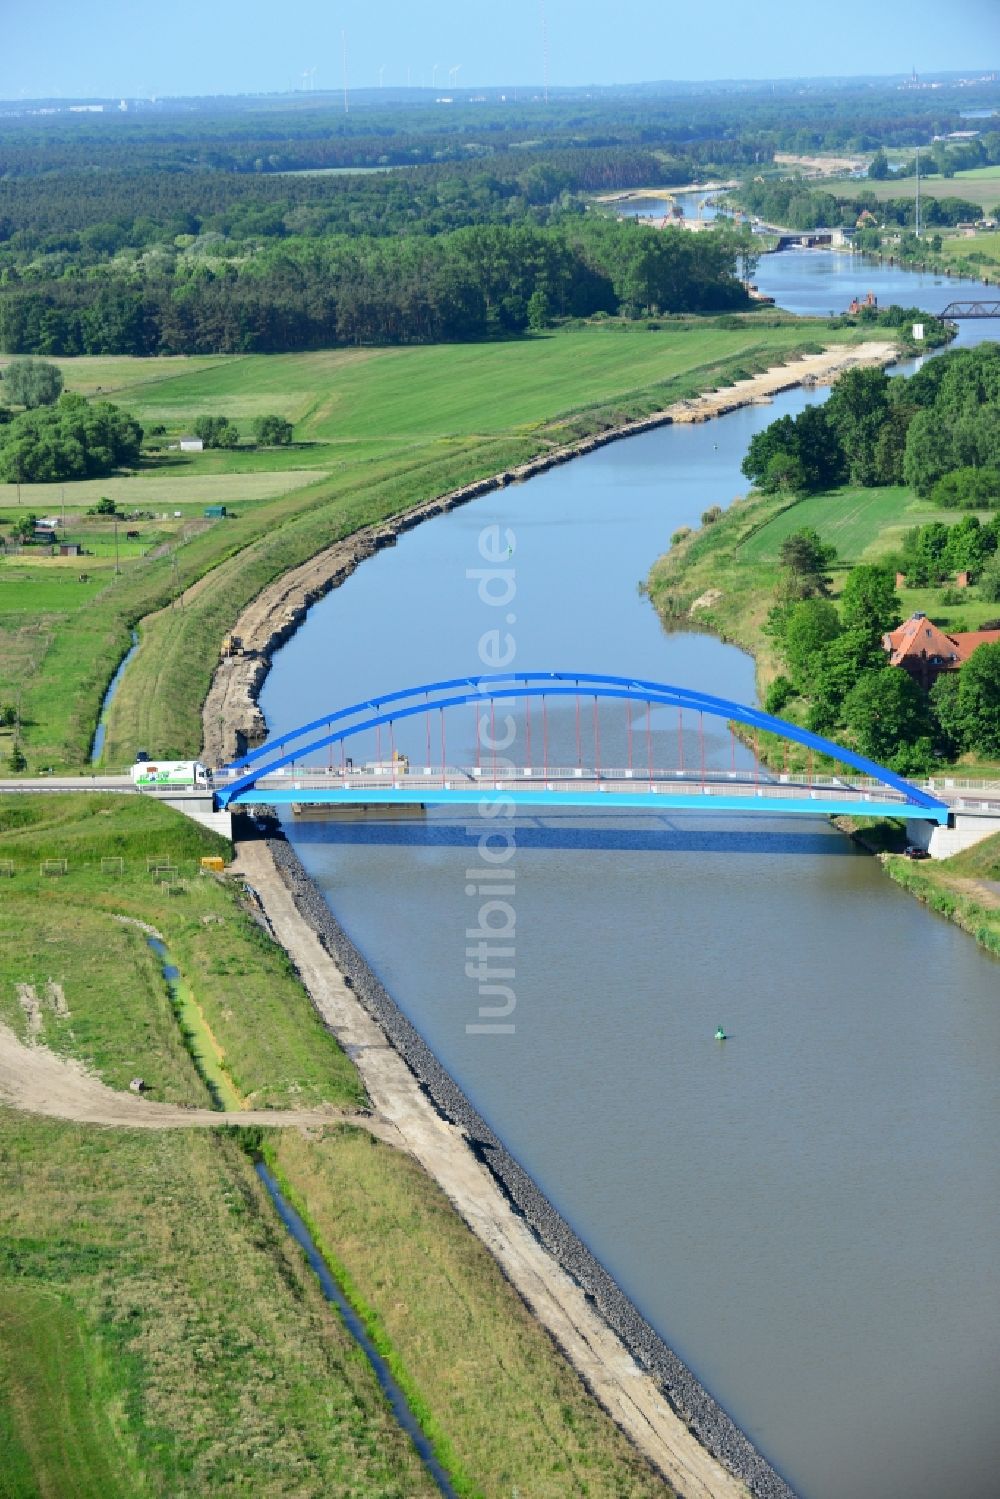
171	775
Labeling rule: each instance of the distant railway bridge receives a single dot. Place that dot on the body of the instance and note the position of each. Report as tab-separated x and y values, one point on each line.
977	309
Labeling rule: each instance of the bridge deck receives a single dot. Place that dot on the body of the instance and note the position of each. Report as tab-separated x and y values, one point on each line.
623	789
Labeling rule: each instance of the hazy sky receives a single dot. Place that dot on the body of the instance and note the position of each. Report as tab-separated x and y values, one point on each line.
113	47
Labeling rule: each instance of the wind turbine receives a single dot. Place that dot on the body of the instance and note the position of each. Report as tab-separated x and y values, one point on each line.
434	75
453	74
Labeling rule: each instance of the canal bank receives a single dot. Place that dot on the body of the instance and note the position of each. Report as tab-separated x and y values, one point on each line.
676	1405
231	718
648	1390
670	1197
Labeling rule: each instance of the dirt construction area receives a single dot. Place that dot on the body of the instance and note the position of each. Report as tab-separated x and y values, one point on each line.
36	1080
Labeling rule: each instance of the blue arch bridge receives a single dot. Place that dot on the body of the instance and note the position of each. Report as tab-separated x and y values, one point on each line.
564	739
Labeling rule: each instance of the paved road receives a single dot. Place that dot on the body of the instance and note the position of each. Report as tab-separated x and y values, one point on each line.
977	798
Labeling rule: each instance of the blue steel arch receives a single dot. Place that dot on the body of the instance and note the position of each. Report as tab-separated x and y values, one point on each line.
505	685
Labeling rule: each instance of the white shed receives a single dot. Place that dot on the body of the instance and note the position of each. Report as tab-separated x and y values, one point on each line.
192	445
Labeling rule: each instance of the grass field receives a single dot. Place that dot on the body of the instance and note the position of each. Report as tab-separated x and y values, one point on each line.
159	1334
427	392
980	244
863	524
517	1424
388	427
159	492
734	564
982	187
58	1405
121	1023
965	888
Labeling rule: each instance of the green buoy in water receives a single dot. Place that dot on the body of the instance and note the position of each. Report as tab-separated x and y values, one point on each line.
720	1034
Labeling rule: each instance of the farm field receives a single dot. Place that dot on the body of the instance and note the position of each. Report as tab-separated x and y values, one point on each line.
863	524
161	493
958	247
386	429
425	391
144	1268
981	186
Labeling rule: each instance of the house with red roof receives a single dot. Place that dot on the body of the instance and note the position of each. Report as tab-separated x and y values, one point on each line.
925	651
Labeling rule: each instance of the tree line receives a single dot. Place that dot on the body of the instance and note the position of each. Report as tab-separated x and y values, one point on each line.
876	430
70	439
85	217
792	204
470	284
735	123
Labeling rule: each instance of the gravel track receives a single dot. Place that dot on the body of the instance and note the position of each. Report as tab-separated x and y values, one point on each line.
38	1081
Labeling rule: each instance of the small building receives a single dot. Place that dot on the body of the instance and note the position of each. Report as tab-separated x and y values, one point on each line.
214	512
70	549
191	445
925	651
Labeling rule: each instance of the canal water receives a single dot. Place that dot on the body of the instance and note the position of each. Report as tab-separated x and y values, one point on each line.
809	1213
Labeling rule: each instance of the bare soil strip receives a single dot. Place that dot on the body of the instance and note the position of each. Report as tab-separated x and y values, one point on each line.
27	998
36	1080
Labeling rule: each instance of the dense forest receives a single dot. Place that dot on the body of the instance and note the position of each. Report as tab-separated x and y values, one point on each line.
215	260
249	226
303	294
713	124
878	430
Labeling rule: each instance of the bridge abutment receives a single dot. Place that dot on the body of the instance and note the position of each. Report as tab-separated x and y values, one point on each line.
964	831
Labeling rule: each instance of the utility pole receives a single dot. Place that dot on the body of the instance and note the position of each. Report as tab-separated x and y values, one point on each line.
918	192
117	568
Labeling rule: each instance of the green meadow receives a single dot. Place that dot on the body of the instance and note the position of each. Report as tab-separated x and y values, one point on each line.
980	186
863	524
160	1334
734	564
962	246
376	432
